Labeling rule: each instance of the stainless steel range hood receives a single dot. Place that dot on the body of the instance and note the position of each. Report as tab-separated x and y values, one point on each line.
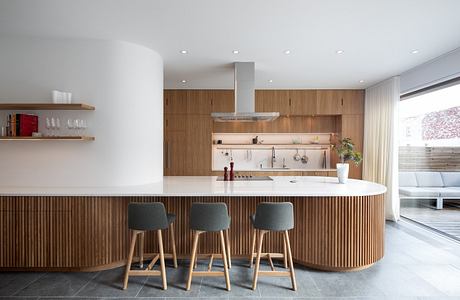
244	98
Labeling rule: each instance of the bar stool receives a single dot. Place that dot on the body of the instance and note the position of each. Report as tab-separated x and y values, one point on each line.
273	217
143	217
209	217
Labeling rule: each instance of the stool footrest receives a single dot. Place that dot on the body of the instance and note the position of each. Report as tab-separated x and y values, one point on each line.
208	273
275	273
144	273
265	255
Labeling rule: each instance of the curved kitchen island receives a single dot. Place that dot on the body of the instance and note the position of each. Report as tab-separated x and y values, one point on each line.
337	227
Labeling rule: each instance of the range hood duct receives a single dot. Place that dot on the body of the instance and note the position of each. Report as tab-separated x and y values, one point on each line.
244	98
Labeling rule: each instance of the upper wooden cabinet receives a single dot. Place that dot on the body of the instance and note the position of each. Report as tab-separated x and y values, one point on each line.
273	101
199	102
175	101
303	102
329	102
223	101
353	102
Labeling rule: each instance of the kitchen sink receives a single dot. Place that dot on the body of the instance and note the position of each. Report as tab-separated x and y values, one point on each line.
248	178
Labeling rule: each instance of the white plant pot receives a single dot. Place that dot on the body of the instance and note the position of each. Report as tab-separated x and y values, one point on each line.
342	173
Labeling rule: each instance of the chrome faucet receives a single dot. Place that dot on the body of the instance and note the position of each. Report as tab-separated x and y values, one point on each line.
273	157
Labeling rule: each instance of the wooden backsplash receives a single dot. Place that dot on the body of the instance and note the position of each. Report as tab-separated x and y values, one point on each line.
429	158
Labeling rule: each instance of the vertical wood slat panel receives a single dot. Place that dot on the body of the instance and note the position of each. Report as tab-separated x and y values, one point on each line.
75	233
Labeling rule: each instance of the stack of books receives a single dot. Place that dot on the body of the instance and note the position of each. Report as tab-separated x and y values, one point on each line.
22	124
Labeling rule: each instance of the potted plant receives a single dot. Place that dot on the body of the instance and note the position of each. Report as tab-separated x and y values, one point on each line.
345	150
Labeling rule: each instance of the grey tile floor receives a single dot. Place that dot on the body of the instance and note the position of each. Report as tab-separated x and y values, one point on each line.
417	265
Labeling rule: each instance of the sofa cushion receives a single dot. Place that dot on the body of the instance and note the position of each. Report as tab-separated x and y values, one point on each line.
451	192
432	179
451	178
407	179
419	192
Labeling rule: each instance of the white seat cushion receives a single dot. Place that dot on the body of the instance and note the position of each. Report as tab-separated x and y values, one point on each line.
407	179
419	192
451	192
451	178
432	179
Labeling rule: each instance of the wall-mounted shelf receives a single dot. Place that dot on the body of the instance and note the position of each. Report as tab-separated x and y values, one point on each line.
269	146
47	138
45	106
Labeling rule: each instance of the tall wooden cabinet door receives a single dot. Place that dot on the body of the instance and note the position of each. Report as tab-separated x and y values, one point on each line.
199	145
173	122
175	101
353	102
223	101
174	153
303	102
329	102
353	127
199	102
273	101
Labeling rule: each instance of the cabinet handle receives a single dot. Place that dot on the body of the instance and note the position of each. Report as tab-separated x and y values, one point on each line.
289	101
342	101
169	156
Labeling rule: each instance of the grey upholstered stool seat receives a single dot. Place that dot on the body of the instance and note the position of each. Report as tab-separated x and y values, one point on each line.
272	217
144	217
209	217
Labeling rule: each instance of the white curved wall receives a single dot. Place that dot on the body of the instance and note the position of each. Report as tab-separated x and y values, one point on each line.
125	83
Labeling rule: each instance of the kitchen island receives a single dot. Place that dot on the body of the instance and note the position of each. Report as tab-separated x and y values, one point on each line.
337	227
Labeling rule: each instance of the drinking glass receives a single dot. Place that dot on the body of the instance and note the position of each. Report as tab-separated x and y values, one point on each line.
58	126
48	126
53	126
84	125
70	126
77	126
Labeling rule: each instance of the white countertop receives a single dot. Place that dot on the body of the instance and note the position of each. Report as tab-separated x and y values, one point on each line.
208	186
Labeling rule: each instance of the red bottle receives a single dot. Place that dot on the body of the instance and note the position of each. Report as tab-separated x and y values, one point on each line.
225	174
232	175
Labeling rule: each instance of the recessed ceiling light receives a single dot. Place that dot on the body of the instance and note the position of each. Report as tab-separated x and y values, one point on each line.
415	51
271	80
339	51
236	51
361	81
183	51
183	81
287	51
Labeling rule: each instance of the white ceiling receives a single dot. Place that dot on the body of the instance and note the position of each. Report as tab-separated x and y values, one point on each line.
376	35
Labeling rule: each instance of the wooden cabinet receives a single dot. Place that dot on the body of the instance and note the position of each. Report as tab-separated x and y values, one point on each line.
329	102
353	127
223	100
199	102
353	102
199	145
174	158
273	101
303	102
175	101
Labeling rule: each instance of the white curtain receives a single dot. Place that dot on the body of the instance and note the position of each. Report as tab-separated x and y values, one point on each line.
380	153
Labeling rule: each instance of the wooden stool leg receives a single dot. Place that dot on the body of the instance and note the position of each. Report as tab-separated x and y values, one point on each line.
253	247
259	251
227	241
291	264
162	260
141	249
285	253
192	259
130	259
173	241
225	260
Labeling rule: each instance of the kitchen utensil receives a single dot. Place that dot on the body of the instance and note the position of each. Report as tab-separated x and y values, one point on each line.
304	157
255	140
297	155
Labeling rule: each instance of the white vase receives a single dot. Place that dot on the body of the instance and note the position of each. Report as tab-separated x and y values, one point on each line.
342	173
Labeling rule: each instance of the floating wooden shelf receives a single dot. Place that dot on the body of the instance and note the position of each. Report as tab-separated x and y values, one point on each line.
45	106
47	138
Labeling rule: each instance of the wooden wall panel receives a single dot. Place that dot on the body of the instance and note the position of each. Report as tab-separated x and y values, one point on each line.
429	158
90	233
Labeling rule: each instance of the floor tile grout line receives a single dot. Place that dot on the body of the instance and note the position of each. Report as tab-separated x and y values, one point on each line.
81	288
30	283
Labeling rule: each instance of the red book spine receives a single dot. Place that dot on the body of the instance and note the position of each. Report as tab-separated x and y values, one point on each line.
27	125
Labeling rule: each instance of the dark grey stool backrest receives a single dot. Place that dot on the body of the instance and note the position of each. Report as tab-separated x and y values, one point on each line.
274	216
147	216
209	217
